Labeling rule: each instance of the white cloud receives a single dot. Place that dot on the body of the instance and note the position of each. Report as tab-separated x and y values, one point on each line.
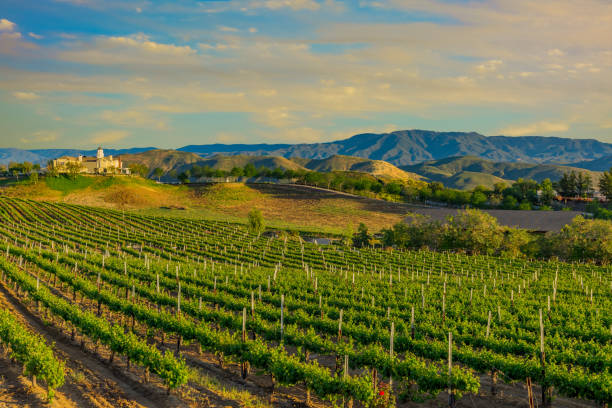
41	136
6	25
555	52
279	4
26	96
489	66
228	29
142	43
252	30
538	128
134	118
35	36
108	136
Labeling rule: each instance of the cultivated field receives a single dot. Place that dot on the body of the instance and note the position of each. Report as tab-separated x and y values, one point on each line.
131	310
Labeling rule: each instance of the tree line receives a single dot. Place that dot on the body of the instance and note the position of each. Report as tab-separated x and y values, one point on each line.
476	232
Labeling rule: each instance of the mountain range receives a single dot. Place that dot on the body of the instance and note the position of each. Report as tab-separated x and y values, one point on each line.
400	148
415	146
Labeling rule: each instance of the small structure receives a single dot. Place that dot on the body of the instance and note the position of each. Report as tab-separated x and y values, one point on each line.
92	165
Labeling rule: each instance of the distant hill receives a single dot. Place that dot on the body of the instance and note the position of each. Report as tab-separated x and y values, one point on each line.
601	164
164	159
414	146
468	171
226	163
377	168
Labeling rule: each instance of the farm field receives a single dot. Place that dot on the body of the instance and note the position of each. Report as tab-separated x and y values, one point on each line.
129	309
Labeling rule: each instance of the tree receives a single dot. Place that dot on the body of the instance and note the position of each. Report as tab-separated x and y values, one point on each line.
139	169
52	171
585	239
158	172
499	187
474	231
583	184
362	238
256	223
478	199
2	168
605	184
34	177
250	170
237	172
184	176
567	184
27	167
73	169
547	193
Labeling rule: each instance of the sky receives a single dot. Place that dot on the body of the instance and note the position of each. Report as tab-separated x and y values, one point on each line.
83	73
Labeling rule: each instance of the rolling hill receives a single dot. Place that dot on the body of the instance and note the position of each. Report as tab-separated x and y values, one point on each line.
468	171
226	163
376	168
181	161
164	159
601	164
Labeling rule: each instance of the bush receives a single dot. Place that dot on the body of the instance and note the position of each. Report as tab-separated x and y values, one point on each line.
256	223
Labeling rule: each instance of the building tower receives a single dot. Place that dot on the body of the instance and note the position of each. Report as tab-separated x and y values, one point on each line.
100	154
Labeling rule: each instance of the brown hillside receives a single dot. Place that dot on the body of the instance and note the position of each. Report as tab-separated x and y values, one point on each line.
164	159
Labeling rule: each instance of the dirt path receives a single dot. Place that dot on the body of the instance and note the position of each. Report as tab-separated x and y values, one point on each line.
89	383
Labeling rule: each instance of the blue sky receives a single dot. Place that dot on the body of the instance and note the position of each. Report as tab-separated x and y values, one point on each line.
81	73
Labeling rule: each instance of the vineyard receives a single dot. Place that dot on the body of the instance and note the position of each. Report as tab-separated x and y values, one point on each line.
159	296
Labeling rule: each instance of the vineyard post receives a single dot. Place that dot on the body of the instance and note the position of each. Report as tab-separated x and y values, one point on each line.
340	326
546	389
451	396
391	355
37	287
488	325
321	305
244	367
282	317
178	315
530	393
412	323
443	308
252	303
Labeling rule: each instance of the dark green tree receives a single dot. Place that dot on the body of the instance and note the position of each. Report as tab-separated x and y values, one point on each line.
605	184
362	238
158	172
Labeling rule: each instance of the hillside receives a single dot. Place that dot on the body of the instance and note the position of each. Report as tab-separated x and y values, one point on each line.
226	163
164	159
414	146
181	161
376	168
601	164
283	206
468	171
